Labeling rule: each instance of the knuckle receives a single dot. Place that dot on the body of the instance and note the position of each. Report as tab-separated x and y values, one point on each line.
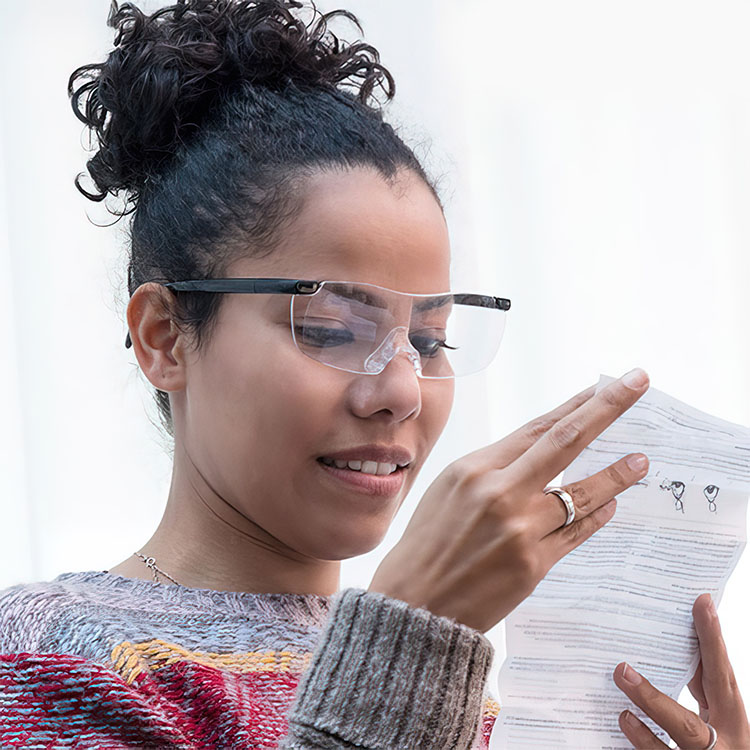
581	496
732	682
515	530
582	499
565	434
615	476
612	397
538	427
526	567
464	472
451	475
692	728
502	510
518	545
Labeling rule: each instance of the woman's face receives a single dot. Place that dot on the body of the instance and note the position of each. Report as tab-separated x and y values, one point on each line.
257	415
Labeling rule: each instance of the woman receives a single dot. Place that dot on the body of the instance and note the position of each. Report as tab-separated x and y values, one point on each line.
290	303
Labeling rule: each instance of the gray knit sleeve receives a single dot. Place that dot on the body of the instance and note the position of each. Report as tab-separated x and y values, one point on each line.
388	675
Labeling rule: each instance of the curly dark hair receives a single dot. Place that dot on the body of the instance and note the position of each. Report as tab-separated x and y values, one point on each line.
209	114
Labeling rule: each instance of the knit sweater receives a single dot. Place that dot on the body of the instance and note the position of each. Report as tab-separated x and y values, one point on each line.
94	659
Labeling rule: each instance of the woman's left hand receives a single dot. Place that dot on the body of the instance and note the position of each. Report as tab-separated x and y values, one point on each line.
713	686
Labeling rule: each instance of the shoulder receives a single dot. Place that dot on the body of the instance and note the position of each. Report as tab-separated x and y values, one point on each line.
29	611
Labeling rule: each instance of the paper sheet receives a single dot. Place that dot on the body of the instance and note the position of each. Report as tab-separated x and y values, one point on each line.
626	594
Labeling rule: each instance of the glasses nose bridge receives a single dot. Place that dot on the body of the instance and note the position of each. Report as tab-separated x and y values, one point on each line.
393	344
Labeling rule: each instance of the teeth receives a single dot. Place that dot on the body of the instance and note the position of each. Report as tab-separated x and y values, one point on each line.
365	467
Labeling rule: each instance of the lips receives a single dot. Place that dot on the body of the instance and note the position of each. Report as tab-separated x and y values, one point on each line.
371	485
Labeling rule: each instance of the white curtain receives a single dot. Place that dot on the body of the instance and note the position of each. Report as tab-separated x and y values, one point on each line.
594	158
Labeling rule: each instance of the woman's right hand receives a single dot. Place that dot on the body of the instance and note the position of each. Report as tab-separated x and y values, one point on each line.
485	534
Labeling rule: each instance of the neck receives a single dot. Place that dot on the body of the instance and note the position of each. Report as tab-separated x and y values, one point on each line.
203	542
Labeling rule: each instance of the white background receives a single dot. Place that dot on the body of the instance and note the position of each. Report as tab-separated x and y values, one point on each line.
594	158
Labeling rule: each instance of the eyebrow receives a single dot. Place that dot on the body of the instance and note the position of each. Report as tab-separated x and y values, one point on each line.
432	302
362	295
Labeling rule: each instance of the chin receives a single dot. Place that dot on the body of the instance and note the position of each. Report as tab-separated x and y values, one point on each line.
343	544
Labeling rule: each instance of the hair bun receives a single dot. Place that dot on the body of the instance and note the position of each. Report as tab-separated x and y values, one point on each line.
172	68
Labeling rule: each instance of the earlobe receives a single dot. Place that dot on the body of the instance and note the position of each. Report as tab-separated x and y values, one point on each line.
157	342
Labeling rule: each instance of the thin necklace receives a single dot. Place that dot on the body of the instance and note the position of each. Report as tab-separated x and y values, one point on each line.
151	563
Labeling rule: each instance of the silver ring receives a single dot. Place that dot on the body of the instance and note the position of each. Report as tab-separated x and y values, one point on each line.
564	495
714	738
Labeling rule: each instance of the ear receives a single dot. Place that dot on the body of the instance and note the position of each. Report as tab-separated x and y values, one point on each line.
157	342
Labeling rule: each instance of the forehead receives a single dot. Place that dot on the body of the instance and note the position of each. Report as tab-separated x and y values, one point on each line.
354	225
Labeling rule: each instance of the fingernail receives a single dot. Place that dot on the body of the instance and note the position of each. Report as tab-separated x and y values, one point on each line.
637	462
631	676
632	719
635	379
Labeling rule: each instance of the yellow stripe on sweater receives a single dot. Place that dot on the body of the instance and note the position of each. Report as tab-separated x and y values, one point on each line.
491	707
130	659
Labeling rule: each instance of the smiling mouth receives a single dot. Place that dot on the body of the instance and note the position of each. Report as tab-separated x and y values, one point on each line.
373	468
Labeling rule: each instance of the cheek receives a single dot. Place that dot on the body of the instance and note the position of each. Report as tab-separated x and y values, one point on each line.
297	405
288	400
258	406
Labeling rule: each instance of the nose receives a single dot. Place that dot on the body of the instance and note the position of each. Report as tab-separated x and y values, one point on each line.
395	392
396	341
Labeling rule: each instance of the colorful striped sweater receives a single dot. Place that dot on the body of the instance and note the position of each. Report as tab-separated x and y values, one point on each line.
98	660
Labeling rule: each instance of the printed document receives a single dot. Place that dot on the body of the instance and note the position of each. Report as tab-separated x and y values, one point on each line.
626	593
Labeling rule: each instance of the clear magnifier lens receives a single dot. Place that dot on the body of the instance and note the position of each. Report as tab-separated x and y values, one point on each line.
339	325
472	338
361	327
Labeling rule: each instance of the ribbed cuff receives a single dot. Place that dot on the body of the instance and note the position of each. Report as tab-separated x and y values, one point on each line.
388	675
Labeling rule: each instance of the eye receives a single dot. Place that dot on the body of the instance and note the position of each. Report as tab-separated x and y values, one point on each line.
428	346
322	336
711	492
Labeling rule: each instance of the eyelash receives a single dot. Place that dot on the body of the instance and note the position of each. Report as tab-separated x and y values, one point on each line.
441	344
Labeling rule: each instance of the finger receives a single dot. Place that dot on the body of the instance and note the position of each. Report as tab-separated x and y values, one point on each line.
588	495
507	450
638	733
686	728
718	680
696	688
570	537
557	448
